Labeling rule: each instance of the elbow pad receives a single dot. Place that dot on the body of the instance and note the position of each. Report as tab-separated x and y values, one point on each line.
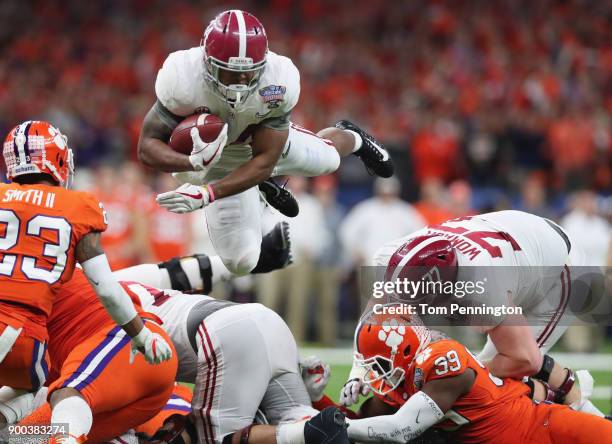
115	300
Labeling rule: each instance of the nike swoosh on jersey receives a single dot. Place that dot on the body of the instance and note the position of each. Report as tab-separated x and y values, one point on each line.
417	417
193	196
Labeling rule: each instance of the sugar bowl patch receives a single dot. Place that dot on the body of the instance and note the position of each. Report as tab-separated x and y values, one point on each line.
272	95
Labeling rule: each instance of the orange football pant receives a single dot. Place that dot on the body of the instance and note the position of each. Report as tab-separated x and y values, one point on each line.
121	395
26	366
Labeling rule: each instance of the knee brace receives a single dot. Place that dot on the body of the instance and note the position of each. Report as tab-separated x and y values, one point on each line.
179	279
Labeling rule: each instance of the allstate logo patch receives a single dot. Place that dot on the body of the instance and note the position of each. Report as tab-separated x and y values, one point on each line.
273	95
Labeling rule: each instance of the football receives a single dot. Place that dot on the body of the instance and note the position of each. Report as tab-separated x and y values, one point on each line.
208	125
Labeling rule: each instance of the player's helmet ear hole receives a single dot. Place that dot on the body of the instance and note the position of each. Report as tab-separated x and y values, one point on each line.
407	350
61	163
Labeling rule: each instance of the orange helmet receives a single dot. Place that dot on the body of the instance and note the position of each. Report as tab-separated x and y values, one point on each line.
37	147
386	345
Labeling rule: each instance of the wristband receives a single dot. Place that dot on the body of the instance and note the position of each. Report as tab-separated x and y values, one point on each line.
211	193
547	366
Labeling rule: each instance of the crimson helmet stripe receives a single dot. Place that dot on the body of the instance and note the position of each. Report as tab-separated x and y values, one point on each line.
242	34
421	242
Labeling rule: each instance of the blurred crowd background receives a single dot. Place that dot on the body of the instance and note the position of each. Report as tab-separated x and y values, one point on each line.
483	104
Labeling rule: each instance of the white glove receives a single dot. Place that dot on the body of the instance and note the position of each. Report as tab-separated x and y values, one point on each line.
205	155
154	348
349	393
315	374
184	199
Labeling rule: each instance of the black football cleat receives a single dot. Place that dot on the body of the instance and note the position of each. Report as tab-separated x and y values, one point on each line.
279	198
275	250
373	155
328	427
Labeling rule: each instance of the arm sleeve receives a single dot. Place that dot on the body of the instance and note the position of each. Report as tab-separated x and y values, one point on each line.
418	414
115	300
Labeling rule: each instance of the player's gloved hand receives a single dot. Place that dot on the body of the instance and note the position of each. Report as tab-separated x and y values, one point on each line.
184	199
154	348
204	155
349	394
315	374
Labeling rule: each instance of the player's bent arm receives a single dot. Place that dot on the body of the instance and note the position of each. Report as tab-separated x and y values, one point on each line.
422	410
153	150
267	147
518	354
411	420
117	303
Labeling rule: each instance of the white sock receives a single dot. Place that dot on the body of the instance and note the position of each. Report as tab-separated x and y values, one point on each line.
147	274
15	404
220	273
290	433
75	412
358	140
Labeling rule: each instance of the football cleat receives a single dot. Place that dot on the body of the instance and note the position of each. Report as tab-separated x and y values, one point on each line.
275	250
328	427
373	155
279	198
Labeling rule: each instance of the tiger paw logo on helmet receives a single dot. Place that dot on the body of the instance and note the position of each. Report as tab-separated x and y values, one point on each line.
392	333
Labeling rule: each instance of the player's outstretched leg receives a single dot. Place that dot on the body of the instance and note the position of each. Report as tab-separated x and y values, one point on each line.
371	152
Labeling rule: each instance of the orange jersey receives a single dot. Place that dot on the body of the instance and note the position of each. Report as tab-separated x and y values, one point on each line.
491	405
40	226
77	314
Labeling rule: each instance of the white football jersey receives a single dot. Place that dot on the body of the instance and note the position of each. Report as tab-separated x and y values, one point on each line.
181	88
527	252
173	308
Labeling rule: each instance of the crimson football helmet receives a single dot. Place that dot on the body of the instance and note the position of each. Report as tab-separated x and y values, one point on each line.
37	147
235	49
428	258
386	345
